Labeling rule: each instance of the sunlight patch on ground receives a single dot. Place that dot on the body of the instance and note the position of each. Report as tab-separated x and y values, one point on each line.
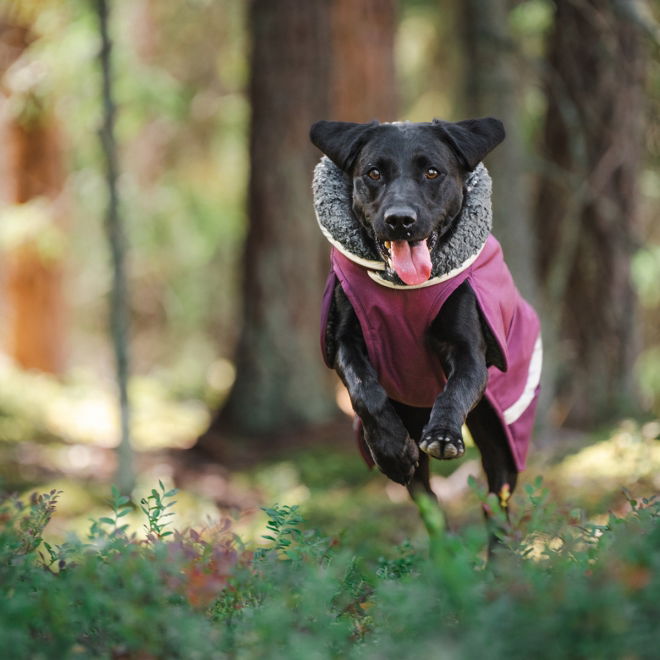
630	455
281	483
83	411
456	484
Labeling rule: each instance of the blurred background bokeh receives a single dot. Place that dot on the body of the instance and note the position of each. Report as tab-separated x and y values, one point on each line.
229	399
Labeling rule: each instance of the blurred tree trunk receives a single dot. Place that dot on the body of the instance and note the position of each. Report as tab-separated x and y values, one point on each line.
280	380
492	83
32	168
587	203
362	77
493	86
309	62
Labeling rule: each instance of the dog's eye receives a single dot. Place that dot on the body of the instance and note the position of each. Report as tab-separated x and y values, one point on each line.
374	174
431	173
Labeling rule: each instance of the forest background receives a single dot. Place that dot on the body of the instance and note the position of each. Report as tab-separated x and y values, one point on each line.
225	264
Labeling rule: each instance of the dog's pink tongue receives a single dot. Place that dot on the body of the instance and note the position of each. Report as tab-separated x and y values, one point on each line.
412	263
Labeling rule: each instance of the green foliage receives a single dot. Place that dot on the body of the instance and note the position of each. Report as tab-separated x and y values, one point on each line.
559	586
405	562
30	521
155	508
284	524
115	596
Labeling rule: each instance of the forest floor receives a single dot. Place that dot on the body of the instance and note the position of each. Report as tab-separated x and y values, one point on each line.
60	436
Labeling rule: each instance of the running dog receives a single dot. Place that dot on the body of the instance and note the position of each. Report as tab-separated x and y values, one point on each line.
421	318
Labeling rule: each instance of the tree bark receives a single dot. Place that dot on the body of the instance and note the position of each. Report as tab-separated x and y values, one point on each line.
280	380
586	208
362	75
309	62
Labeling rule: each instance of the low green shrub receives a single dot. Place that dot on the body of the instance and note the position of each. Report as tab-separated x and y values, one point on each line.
108	596
559	586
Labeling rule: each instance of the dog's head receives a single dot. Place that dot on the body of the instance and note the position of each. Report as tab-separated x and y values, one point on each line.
408	180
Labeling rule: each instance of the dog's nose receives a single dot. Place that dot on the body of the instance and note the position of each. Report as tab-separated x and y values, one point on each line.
400	217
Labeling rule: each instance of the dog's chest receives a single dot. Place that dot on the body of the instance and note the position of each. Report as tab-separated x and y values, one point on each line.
394	324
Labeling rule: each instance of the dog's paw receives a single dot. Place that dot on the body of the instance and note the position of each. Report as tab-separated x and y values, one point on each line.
396	459
442	443
400	465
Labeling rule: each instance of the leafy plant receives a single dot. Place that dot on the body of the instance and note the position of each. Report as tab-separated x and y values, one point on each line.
31	520
284	524
155	507
560	586
106	526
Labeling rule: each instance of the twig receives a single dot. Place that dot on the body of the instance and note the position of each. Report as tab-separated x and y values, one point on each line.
116	240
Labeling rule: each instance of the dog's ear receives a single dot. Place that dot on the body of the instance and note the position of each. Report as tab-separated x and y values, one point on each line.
341	141
472	139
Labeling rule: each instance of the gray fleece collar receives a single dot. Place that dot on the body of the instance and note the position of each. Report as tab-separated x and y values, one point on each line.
332	191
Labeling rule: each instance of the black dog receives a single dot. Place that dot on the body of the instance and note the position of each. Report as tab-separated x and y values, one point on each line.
406	189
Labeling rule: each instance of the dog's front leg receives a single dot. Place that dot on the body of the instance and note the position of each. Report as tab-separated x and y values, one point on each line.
393	451
458	339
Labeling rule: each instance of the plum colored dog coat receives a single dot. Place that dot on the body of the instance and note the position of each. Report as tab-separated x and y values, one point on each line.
394	319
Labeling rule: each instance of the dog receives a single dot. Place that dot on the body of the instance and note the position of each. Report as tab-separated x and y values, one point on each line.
421	319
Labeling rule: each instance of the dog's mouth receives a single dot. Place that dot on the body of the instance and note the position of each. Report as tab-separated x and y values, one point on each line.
410	260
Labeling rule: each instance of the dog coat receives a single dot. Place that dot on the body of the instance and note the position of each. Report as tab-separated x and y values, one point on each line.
395	317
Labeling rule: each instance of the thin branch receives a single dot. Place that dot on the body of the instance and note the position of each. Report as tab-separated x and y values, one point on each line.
116	240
